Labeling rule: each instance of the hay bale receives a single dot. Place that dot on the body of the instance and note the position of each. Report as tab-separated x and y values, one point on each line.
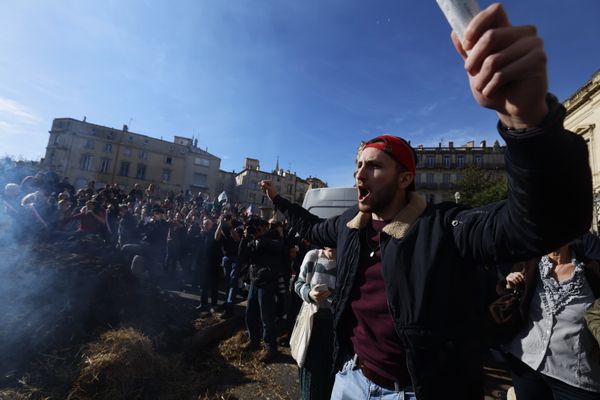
10	394
121	365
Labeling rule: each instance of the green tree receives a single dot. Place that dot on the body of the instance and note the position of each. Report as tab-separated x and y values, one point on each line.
479	187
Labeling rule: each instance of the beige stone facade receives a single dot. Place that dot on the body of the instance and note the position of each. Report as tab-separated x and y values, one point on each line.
440	169
247	191
84	152
583	118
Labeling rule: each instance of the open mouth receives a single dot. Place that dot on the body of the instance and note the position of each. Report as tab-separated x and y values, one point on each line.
363	193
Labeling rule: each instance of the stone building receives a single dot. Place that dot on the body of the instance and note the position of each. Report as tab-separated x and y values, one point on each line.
247	190
87	152
440	169
226	183
315	183
583	118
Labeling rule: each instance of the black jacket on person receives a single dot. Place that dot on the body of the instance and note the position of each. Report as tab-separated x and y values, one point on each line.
128	232
263	255
429	253
155	234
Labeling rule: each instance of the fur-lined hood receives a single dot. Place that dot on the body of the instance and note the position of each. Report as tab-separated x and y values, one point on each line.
401	223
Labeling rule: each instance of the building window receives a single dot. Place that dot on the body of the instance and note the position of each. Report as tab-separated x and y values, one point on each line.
419	160
169	160
200	180
86	162
108	148
143	155
130	139
127	151
460	161
166	175
446	178
105	165
124	170
430	161
289	188
446	161
89	144
477	160
417	178
204	162
429	178
141	172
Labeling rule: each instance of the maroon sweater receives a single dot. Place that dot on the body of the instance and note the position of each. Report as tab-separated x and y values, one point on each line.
373	335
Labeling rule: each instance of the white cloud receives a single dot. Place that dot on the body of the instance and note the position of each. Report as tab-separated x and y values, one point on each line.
10	109
21	130
428	109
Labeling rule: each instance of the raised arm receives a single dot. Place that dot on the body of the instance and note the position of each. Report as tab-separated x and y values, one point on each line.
322	233
549	180
506	67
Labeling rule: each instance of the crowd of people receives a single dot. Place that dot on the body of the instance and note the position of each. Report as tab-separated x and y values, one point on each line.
185	239
401	302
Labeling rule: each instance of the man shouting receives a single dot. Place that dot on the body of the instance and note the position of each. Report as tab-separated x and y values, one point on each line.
405	315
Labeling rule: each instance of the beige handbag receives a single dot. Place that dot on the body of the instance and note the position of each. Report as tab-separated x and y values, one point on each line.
302	330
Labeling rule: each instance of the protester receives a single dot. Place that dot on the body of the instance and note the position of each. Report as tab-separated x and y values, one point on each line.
404	323
260	250
137	193
65	187
555	355
206	267
315	285
153	244
127	231
92	219
175	242
228	238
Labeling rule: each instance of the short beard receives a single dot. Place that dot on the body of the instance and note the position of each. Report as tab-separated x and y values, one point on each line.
382	199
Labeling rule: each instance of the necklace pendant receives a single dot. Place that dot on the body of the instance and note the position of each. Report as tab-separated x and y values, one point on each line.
372	254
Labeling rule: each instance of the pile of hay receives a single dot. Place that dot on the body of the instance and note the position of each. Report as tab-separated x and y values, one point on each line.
121	365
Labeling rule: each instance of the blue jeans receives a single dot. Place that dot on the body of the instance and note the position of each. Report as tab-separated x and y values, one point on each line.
260	315
531	384
230	268
351	384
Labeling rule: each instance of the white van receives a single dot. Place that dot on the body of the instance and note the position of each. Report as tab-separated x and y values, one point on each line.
329	202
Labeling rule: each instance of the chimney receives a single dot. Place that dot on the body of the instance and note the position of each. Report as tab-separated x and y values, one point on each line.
451	145
483	143
125	128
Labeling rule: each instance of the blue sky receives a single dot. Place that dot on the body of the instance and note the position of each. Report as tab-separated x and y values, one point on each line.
304	81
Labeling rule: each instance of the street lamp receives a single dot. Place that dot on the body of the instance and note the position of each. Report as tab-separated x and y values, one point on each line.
456	197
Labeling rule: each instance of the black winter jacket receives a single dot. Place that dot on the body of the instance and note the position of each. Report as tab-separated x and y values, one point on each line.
429	253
